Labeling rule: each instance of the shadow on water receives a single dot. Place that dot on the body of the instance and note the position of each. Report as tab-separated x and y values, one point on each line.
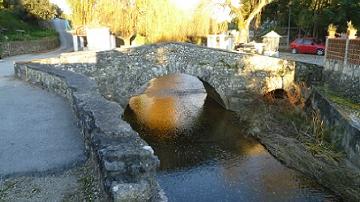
204	154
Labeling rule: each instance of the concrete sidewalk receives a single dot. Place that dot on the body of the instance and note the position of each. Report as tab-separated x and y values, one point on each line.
38	130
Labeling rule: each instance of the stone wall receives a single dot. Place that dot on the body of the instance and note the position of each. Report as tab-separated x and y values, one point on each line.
344	128
343	78
24	47
125	164
235	77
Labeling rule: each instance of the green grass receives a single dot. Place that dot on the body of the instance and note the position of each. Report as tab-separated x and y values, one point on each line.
11	22
340	100
310	130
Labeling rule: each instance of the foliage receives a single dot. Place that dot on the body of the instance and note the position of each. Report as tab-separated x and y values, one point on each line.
29	35
124	13
351	30
82	11
332	28
31	10
245	12
168	22
37	9
321	12
309	129
12	22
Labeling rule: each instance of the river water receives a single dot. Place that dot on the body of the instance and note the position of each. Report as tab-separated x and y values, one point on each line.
204	155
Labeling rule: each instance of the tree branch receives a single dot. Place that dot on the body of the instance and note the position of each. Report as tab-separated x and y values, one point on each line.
257	9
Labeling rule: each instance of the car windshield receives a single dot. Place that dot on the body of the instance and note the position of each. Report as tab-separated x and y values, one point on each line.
308	41
299	41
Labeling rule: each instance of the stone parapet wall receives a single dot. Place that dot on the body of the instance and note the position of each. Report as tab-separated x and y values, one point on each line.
25	47
125	164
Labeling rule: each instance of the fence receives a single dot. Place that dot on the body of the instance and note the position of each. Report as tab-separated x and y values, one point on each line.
345	50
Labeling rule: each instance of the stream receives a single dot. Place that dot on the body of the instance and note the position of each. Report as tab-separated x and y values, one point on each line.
203	151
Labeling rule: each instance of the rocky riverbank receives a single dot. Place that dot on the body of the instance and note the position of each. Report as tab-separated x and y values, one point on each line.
300	140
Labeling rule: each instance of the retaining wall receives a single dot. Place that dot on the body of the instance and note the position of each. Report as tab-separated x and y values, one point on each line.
344	128
25	47
343	78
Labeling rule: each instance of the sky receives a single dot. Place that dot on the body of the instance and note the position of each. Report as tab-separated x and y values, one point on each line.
63	5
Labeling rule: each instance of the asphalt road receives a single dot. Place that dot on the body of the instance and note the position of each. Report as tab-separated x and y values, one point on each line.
38	132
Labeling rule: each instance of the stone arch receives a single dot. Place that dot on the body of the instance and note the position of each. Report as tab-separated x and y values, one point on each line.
212	92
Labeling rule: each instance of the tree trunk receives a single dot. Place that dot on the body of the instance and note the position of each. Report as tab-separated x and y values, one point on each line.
243	35
127	41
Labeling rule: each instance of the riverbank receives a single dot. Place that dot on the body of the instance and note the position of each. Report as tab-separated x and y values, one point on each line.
300	141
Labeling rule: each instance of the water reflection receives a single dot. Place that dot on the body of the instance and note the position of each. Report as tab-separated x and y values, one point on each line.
203	152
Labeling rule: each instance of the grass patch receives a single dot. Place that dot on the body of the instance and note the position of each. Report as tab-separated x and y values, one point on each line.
11	23
338	99
307	128
7	187
28	35
88	187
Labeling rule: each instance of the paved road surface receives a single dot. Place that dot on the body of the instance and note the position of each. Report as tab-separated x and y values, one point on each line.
38	131
312	59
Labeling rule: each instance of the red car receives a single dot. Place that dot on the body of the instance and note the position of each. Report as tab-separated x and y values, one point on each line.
307	45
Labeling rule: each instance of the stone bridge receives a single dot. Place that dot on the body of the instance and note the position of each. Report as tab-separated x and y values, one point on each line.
124	162
232	79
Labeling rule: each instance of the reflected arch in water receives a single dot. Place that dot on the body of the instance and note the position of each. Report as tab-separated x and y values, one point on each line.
169	106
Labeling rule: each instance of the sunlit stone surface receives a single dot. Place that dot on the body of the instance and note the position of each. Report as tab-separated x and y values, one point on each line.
204	154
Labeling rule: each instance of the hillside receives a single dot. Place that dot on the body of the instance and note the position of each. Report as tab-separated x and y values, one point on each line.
10	24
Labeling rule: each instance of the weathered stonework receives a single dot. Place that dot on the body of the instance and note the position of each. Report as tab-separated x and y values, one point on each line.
126	163
25	47
343	78
235	77
122	159
344	128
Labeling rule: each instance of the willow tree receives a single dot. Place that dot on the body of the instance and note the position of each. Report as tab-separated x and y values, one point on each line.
166	20
245	11
82	12
121	16
157	20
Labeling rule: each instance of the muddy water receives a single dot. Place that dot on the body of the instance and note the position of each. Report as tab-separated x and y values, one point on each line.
204	154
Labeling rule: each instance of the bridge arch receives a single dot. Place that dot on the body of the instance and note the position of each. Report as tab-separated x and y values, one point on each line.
228	77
